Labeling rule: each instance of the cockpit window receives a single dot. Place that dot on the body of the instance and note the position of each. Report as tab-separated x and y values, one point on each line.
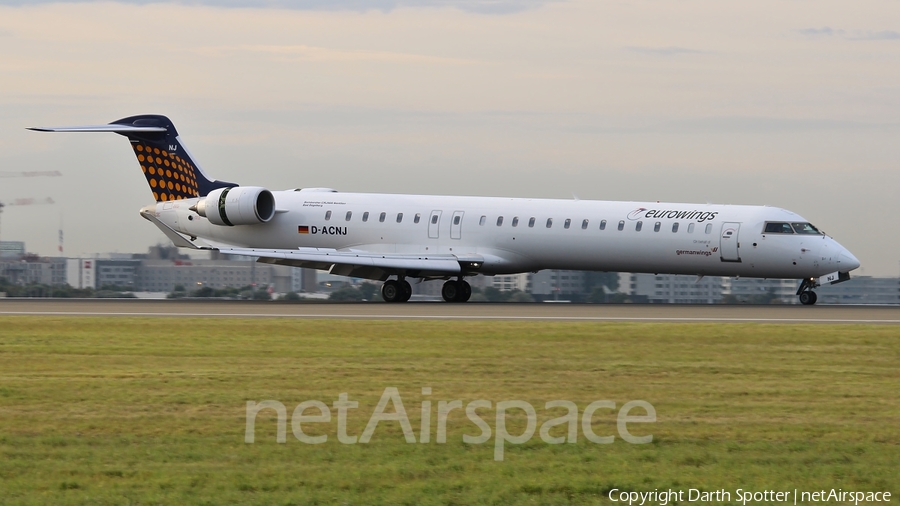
778	228
805	228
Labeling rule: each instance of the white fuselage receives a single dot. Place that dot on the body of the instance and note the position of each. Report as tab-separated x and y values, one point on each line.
724	240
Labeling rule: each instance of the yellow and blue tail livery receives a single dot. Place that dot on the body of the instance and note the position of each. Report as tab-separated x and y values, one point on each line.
169	168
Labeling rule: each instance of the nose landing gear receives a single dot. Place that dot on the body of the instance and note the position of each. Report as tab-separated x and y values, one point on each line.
807	296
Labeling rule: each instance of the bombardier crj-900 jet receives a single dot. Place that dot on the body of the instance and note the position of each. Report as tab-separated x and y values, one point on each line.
394	238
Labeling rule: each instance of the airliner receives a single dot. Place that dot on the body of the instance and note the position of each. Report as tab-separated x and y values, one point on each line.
395	238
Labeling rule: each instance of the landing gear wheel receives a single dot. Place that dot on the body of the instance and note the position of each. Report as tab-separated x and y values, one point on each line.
808	298
451	291
456	291
466	291
391	291
406	291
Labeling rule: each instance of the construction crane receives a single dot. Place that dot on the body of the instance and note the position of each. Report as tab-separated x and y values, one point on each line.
31	173
31	202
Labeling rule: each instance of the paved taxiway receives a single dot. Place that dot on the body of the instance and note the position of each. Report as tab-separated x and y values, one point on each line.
444	311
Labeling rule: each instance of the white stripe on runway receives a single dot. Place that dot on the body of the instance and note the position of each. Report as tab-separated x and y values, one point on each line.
452	317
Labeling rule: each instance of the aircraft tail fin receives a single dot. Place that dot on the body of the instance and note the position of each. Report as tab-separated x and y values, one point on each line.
169	168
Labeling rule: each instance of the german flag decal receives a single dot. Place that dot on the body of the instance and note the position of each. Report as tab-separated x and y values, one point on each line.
303	229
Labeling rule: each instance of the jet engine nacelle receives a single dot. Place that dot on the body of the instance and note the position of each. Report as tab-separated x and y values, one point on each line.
240	205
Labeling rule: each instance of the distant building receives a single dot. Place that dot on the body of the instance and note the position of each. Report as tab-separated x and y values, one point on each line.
116	272
668	288
509	282
165	275
80	272
861	290
761	290
99	272
11	249
31	269
557	284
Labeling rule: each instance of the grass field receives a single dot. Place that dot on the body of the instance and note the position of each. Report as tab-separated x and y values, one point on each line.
152	410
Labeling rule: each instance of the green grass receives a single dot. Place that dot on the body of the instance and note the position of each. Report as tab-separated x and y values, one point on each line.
152	410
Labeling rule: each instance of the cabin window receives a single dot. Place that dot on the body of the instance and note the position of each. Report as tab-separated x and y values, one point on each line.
602	224
327	215
365	216
456	220
434	219
549	222
399	217
515	221
621	225
567	223
638	226
584	225
531	222
349	214
417	217
482	220
709	228
381	217
690	228
778	228
805	228
675	227
656	226
499	220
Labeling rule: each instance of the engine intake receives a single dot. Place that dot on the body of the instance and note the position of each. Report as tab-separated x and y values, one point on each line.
240	205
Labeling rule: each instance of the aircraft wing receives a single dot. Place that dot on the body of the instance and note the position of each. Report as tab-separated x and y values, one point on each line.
354	263
360	264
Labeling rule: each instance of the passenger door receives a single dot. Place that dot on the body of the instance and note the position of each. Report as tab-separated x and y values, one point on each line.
728	242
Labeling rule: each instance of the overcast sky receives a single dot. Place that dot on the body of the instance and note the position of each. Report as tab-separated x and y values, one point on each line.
793	104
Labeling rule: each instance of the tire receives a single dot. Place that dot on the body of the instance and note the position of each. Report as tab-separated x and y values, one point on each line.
391	291
808	298
451	291
405	290
466	291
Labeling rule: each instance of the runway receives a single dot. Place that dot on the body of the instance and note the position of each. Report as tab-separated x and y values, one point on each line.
444	311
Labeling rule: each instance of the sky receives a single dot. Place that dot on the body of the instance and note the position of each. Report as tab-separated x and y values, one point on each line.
794	104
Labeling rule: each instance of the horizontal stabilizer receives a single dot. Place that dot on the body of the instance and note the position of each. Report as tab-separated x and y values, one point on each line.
119	129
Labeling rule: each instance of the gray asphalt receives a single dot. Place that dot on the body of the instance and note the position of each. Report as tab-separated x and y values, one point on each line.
444	311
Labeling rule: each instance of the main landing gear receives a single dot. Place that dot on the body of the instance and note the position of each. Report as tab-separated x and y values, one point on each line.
456	291
807	296
399	290
396	290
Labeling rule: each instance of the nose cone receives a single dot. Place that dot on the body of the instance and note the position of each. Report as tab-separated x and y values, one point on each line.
847	261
